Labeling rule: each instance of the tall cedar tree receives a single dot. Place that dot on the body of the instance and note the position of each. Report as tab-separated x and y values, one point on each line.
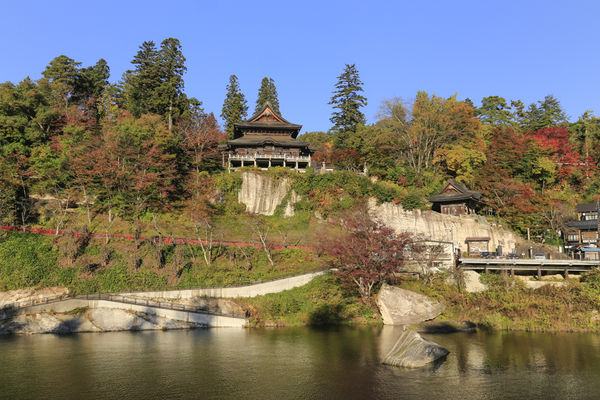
140	83
171	99
235	108
156	84
267	93
78	86
347	101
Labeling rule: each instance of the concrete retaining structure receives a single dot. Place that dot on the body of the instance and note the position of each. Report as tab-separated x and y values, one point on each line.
258	289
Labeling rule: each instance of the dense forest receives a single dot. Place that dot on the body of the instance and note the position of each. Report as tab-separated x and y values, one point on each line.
138	146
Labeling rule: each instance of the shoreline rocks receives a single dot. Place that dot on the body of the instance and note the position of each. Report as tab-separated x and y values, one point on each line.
413	351
403	307
90	320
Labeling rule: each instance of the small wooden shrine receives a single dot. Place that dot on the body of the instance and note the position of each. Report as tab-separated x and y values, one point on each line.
267	140
457	199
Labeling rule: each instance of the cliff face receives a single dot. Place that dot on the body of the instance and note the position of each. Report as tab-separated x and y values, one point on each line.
262	194
435	226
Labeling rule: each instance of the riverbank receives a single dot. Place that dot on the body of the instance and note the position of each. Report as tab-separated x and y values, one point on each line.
29	261
509	305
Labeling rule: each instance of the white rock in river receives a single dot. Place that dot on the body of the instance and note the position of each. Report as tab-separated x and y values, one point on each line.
412	351
403	307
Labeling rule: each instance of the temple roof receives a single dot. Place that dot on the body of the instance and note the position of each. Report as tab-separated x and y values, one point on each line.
262	140
455	191
267	119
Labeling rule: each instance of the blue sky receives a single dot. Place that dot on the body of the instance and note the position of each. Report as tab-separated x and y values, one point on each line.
514	49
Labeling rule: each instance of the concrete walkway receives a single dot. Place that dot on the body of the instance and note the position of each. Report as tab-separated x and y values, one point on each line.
259	289
145	302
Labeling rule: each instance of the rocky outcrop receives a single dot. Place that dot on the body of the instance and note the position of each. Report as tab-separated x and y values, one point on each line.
534	284
262	194
412	351
435	226
92	320
472	282
403	307
20	296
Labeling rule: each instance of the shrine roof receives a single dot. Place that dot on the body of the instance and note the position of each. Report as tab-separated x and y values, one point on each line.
455	191
267	119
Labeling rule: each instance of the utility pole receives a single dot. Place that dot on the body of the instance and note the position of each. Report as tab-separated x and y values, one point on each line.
597	221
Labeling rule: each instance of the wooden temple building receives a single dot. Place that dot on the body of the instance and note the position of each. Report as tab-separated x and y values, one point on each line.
457	199
267	140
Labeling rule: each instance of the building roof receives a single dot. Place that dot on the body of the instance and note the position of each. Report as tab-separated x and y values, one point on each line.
477	239
266	119
588	225
462	193
586	207
263	140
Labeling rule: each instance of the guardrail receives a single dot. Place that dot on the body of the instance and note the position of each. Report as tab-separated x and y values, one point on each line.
528	265
256	156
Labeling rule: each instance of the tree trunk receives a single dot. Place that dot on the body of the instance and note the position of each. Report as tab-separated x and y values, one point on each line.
170	115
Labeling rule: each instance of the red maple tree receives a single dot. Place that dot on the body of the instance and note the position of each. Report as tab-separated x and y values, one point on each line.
369	253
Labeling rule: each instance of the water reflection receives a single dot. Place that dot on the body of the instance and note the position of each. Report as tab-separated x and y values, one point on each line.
295	363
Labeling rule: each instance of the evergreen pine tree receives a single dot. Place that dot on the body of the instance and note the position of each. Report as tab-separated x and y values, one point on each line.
347	101
235	108
267	93
547	114
63	70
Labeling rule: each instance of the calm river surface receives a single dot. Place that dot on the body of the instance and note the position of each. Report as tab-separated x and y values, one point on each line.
294	364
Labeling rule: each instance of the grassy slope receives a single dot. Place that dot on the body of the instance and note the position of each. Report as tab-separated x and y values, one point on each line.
320	302
28	260
509	305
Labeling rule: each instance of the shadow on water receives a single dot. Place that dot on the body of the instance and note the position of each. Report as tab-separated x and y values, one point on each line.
7	319
445	327
326	314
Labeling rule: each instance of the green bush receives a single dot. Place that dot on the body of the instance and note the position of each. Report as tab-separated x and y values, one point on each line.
27	260
592	278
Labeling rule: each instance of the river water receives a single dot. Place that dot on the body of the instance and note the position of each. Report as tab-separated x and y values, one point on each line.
298	363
